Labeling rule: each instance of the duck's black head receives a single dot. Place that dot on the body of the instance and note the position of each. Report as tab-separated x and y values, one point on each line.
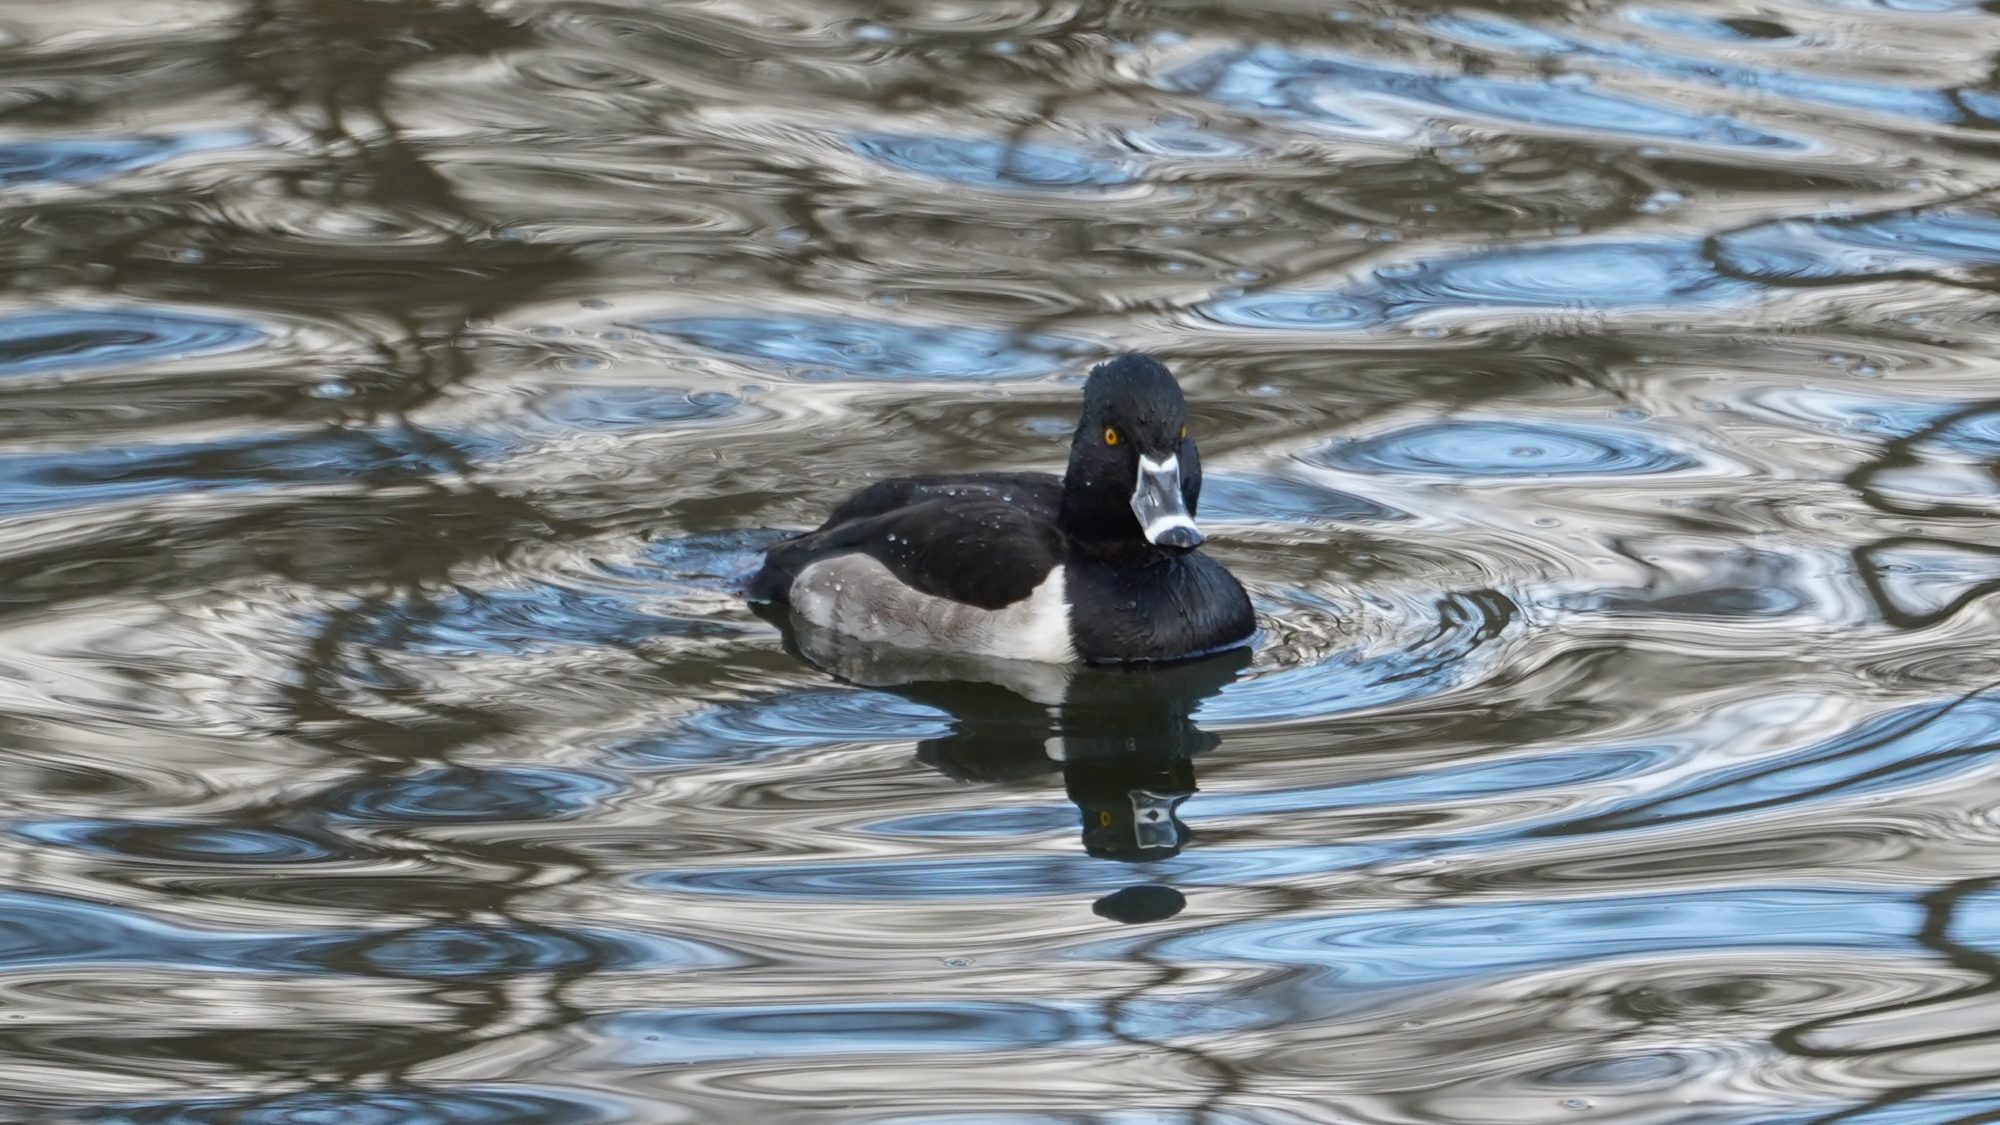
1134	476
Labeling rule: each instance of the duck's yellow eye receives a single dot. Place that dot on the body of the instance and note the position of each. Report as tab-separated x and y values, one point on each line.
1110	436
1183	433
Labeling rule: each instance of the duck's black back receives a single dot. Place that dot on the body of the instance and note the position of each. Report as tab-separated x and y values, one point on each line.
983	539
1037	493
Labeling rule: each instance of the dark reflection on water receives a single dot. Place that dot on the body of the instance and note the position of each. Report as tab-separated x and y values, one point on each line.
1596	400
1123	739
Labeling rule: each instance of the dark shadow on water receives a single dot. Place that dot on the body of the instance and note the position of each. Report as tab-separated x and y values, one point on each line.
1123	737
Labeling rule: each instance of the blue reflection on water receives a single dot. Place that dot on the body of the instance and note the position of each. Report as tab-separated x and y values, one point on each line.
463	1105
1963	1110
1837	249
825	347
528	620
1324	89
1875	417
50	930
459	950
1693	24
620	408
72	478
1975	432
717	560
1187	143
1004	876
702	1035
1350	680
989	163
782	724
80	161
627	602
1016	820
1875	97
77	476
1227	498
1741	584
165	841
1503	449
1460	783
463	795
1431	944
1475	781
1554	278
80	339
1909	746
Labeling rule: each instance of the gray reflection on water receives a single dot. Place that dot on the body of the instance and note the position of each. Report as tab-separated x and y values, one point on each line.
1597	401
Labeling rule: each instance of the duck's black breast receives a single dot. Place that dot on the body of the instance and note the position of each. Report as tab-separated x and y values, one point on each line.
1162	607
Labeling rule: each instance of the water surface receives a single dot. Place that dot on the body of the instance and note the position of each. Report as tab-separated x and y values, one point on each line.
1598	399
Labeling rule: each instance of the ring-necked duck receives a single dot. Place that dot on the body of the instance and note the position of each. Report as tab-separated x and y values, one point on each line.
1099	565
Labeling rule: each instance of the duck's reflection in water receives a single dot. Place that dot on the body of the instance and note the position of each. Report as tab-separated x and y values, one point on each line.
1123	737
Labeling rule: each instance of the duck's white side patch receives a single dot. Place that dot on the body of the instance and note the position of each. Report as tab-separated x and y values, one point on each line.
857	595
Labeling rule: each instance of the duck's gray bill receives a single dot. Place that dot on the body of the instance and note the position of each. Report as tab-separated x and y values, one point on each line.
1158	504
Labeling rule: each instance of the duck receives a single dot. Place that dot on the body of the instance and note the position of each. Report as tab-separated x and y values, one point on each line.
1101	565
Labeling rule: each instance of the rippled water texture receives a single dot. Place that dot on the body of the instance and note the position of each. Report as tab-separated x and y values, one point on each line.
1599	399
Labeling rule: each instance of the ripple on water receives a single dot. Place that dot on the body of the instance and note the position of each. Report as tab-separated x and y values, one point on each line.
1966	1109
42	930
222	844
1647	57
670	1038
786	723
1740	584
1269	498
65	340
1454	801
1558	279
1495	780
1477	448
1332	91
466	950
631	597
537	619
36	482
1907	747
1432	944
1938	243
1722	30
463	795
1325	658
1918	583
989	163
824	347
512	1104
33	482
1022	876
1973	430
621	408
